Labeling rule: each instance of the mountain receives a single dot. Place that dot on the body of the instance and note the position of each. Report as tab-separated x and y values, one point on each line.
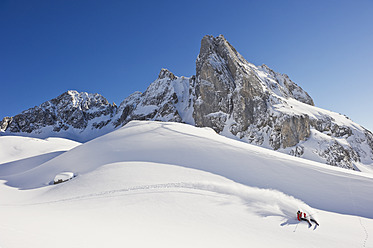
78	116
237	99
166	184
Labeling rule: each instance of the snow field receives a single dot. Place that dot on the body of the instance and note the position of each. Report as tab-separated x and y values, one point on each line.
152	184
265	202
203	149
214	212
16	147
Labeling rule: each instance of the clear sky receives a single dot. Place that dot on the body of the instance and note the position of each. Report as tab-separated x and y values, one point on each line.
115	47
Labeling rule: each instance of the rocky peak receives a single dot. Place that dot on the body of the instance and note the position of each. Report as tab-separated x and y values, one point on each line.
82	100
219	61
210	45
226	86
214	51
69	110
164	73
263	107
218	45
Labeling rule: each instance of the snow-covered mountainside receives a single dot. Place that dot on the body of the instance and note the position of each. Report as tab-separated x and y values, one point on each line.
234	97
166	184
73	115
259	106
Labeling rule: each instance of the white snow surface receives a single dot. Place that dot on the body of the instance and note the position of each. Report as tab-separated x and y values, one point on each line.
154	184
17	147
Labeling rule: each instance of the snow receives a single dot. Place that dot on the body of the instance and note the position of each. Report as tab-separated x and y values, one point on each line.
145	110
152	184
313	112
16	147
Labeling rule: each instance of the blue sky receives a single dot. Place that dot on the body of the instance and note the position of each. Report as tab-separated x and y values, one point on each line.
117	47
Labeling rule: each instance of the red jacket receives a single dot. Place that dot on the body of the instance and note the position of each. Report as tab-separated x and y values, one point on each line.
299	215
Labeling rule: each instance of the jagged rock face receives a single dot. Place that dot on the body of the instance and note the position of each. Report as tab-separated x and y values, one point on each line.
126	108
69	110
229	89
224	89
5	123
294	129
164	73
265	108
166	99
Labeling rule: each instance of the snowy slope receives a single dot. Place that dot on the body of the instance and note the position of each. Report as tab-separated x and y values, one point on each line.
17	147
152	184
342	132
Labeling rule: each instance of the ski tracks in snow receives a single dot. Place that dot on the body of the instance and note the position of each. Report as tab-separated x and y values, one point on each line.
264	202
360	221
366	232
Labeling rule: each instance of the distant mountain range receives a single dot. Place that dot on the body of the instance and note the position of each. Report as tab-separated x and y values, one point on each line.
228	94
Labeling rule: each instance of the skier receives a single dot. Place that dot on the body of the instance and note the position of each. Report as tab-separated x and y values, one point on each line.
302	216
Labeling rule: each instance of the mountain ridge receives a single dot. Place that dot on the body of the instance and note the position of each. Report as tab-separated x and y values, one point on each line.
232	96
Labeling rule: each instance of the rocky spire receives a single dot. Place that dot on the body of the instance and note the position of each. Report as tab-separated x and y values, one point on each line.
234	95
227	87
164	73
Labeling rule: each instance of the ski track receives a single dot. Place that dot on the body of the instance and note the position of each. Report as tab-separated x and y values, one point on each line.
366	232
264	202
361	223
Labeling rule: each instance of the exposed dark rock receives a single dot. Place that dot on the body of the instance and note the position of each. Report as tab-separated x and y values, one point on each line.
5	123
337	155
297	151
164	73
294	129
